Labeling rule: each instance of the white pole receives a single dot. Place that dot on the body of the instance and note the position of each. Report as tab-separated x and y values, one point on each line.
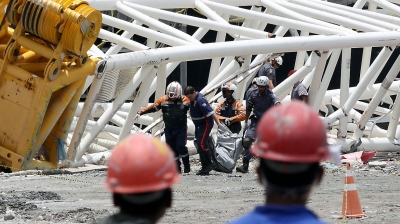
377	98
289	23
308	15
386	5
394	121
358	11
326	78
115	105
231	68
121	41
161	85
141	31
193	21
337	16
215	62
144	87
285	87
359	4
344	89
362	85
152	23
249	47
316	81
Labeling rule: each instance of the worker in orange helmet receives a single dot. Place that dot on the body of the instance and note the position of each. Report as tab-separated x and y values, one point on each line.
141	171
289	163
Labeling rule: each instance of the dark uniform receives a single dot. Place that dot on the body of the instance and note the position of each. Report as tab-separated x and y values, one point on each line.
268	70
234	111
299	89
175	119
260	104
201	111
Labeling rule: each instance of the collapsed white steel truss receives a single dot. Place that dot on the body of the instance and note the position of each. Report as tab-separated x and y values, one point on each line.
335	30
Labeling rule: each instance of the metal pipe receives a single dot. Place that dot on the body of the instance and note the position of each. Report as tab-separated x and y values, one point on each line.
246	47
193	21
337	16
110	111
121	41
289	23
291	11
393	128
362	85
145	19
344	89
358	11
316	80
377	98
286	86
326	79
141	31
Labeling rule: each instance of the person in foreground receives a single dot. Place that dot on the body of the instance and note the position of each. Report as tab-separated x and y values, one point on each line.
289	164
141	171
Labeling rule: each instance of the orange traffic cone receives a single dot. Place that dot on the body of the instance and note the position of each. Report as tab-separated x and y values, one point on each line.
351	207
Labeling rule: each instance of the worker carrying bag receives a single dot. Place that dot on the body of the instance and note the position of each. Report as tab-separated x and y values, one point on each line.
226	151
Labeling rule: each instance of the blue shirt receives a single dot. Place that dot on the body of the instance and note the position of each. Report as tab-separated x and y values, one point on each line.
299	89
200	110
268	70
262	103
271	214
251	89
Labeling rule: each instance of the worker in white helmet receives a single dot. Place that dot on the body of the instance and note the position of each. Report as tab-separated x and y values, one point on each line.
268	69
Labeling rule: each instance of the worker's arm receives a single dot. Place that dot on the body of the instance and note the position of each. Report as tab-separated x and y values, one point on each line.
304	98
153	107
240	113
271	84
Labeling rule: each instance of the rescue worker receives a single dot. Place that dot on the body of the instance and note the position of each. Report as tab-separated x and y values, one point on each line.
251	89
202	115
289	164
230	111
174	107
141	171
268	69
259	101
299	91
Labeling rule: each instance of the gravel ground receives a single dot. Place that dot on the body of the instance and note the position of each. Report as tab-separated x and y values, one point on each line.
30	197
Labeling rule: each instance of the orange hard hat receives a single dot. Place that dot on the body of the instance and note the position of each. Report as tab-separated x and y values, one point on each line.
141	164
291	133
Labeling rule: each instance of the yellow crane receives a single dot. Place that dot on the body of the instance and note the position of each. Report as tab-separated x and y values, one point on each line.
43	68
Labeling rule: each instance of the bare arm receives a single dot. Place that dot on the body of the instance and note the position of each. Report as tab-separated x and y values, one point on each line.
215	118
304	98
271	85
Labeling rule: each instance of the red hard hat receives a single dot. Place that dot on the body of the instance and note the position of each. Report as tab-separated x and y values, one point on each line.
141	164
291	133
291	72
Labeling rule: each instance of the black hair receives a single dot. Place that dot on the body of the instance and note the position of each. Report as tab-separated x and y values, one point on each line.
304	178
140	210
189	90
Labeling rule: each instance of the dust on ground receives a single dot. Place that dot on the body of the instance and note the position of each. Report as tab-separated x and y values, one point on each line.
32	197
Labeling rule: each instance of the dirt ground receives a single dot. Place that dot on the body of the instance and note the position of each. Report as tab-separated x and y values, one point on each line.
27	197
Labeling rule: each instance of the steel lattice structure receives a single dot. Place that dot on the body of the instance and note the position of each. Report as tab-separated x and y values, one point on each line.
321	34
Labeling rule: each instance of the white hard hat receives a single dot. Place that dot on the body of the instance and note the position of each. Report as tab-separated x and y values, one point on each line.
262	81
254	80
229	86
279	60
174	90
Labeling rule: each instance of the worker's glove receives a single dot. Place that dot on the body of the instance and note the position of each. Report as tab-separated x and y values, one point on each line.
227	122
